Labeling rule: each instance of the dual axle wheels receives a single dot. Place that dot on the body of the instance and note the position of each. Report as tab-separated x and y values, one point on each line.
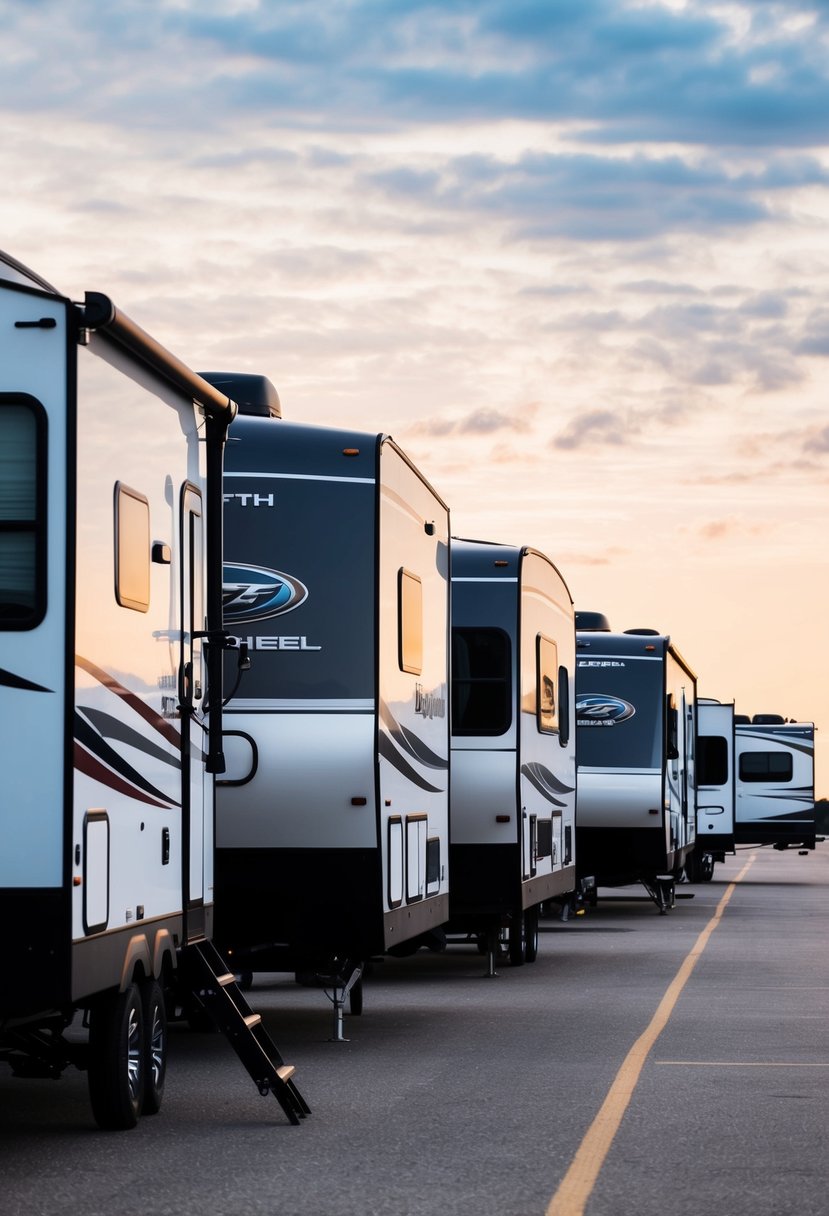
127	1055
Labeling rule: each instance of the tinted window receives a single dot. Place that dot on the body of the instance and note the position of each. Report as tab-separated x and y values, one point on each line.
765	766
546	677
712	760
22	514
481	684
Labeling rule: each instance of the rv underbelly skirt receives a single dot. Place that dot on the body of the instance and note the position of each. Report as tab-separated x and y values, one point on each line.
615	857
282	907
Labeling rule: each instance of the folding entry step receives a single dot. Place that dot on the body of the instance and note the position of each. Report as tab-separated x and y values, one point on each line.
216	989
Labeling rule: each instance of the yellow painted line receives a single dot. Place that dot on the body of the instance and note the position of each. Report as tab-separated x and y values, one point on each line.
577	1184
738	1064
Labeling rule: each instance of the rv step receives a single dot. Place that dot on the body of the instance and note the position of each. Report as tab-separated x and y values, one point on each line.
217	991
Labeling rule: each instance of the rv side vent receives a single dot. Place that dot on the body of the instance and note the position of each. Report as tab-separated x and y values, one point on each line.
768	720
253	394
592	622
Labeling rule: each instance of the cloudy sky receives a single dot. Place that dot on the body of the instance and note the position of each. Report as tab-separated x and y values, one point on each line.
572	254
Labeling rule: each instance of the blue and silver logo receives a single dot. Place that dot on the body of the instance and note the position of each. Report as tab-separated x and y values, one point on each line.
253	593
595	707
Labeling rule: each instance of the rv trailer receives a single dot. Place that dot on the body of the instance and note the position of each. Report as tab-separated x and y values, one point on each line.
332	817
635	750
775	771
111	456
513	775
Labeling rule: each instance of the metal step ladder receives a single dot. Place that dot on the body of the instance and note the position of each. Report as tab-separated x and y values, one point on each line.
215	988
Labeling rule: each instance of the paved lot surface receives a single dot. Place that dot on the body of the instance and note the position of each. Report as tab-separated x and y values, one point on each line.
467	1096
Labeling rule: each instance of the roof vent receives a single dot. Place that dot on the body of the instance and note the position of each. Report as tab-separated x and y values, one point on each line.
253	394
648	633
768	720
592	622
742	720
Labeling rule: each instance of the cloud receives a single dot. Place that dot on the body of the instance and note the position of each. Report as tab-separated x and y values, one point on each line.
484	420
601	427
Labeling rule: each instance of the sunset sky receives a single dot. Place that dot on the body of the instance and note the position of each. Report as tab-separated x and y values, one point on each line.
572	254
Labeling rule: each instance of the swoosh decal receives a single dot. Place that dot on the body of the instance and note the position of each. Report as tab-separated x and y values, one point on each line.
113	728
9	680
389	752
86	763
541	776
409	742
96	745
143	710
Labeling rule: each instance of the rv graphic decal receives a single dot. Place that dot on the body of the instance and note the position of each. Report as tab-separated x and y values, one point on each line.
546	782
409	742
594	709
9	680
389	752
254	593
95	757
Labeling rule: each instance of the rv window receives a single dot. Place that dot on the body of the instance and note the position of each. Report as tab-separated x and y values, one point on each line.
22	513
410	622
712	762
132	549
546	675
563	706
765	766
481	685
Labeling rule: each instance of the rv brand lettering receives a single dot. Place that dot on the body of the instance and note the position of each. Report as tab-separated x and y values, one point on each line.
250	500
597	710
254	593
600	663
273	643
429	704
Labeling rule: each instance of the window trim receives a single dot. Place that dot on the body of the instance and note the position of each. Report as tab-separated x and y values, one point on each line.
125	601
406	660
551	728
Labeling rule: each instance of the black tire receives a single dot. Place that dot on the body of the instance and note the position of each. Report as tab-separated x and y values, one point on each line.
116	1059
516	940
155	1045
355	998
531	934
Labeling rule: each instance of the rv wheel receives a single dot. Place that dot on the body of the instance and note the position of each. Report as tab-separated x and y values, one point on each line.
155	1045
116	1059
531	934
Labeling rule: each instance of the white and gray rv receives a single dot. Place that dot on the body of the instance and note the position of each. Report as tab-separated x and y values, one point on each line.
775	782
110	582
513	780
332	828
755	782
635	748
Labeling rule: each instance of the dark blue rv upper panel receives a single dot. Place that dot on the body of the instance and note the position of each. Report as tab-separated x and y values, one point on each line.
272	446
481	559
591	641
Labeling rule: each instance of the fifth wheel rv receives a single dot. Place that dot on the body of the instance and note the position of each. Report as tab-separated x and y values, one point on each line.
513	779
775	769
333	815
636	728
110	544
